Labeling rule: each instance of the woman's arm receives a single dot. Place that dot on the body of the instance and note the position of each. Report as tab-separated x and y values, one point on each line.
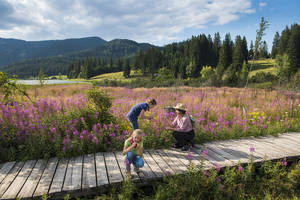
142	114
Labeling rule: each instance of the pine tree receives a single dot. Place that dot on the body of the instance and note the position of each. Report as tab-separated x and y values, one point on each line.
225	58
294	48
217	46
284	40
263	50
238	54
251	51
275	45
126	72
245	49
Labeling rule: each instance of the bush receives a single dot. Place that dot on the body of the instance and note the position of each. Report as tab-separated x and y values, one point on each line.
100	102
261	77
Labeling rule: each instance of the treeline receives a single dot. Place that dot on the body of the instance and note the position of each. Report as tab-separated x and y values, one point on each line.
93	66
30	68
225	62
189	58
286	50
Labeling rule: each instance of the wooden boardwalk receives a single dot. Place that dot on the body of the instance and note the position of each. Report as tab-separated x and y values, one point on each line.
91	174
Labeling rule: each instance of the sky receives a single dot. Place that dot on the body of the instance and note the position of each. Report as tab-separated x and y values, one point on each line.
158	22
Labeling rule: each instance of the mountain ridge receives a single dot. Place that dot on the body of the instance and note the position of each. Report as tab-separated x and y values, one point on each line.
26	58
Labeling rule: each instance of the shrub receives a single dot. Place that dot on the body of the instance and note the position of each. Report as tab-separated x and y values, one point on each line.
261	77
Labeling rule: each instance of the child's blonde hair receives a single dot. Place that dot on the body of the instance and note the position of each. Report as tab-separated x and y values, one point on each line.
138	132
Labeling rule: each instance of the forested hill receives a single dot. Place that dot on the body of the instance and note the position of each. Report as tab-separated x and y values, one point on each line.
13	50
54	57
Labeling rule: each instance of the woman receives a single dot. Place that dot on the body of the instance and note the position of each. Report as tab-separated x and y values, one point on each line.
182	128
139	110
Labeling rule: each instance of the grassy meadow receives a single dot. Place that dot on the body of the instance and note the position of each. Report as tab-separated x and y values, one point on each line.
264	65
65	121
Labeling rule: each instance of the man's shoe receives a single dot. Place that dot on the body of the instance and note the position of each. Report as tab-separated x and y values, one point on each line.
177	146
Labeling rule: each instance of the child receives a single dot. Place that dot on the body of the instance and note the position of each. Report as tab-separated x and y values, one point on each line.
133	148
137	110
182	128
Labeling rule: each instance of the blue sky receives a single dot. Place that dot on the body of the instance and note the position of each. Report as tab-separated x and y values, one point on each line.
157	22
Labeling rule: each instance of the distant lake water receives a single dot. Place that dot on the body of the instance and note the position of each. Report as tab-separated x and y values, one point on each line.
48	82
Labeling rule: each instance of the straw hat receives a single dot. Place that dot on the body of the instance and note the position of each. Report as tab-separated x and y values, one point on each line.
180	106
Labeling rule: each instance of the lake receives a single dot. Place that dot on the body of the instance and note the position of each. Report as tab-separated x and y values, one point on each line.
47	82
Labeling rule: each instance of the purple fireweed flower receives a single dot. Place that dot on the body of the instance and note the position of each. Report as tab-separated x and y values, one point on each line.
53	130
95	128
84	132
218	179
284	163
189	156
81	137
112	135
241	168
204	152
76	132
105	126
95	140
205	172
252	149
264	126
217	166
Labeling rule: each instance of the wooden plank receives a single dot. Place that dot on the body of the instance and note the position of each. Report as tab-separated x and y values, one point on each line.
180	167
269	149
32	181
279	143
121	159
73	175
241	148
59	176
293	134
89	172
19	181
45	181
192	158
180	155
113	170
153	165
10	177
101	173
218	149
263	149
214	157
169	162
146	172
290	137
161	163
5	170
285	141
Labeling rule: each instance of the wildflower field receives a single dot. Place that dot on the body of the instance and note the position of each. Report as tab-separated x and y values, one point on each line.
67	120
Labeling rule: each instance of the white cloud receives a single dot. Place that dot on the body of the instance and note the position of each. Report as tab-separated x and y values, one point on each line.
156	22
262	4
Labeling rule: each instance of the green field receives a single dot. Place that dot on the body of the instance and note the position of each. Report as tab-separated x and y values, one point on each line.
116	76
265	65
